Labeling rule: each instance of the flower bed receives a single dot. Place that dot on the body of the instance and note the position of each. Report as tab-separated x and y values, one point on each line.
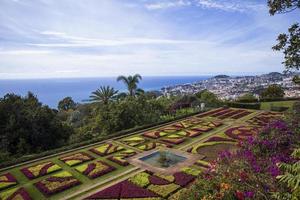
189	133
141	179
179	178
202	163
241	132
76	158
152	145
164	190
174	139
124	190
15	194
57	183
241	115
202	128
170	129
106	149
223	112
219	139
155	134
7	180
230	114
119	157
133	141
39	170
210	112
191	171
95	169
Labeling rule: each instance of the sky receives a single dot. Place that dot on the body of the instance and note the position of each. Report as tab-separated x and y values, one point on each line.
95	38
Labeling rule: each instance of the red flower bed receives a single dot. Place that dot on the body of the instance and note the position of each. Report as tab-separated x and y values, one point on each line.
222	112
174	140
76	158
183	179
243	114
57	183
123	190
17	194
154	134
39	170
210	112
220	139
7	180
240	132
230	114
158	181
95	169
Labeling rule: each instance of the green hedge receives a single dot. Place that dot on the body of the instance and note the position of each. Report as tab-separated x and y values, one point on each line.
89	142
255	106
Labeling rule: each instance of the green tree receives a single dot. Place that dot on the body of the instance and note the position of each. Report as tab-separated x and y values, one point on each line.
131	83
289	43
29	127
272	92
104	94
66	104
209	98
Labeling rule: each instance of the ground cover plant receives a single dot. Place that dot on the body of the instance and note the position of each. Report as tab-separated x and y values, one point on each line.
209	113
76	158
133	141
15	194
202	128
119	157
7	180
124	190
241	115
241	132
155	134
152	145
39	170
174	139
106	149
57	183
95	169
189	133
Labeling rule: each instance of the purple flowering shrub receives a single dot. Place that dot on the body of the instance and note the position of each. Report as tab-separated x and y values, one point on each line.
250	172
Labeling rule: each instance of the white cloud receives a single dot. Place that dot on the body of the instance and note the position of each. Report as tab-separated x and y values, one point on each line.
167	4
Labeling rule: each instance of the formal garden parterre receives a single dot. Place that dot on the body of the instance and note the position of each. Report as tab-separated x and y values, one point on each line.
89	168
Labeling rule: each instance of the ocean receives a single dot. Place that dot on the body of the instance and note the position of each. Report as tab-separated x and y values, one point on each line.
51	91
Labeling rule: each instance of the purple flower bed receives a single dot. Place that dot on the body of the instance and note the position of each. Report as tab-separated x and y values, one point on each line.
221	113
124	189
48	190
210	113
243	114
44	170
242	132
230	114
92	166
220	139
158	181
122	163
9	179
183	179
20	192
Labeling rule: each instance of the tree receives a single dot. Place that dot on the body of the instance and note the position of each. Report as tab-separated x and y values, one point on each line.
131	83
208	98
288	43
246	98
272	92
26	126
104	94
66	104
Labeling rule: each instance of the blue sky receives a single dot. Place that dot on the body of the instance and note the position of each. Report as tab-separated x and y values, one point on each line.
88	38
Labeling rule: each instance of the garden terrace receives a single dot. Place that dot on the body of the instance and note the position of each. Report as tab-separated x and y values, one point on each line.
104	170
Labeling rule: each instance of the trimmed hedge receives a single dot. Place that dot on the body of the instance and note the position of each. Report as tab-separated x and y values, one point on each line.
255	106
89	142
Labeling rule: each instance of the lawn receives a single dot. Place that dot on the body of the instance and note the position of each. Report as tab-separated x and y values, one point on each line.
82	171
267	105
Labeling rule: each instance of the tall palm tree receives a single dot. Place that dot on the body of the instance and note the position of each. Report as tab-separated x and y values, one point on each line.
131	83
104	94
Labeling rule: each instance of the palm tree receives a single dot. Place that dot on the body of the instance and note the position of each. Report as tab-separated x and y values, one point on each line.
104	94
131	83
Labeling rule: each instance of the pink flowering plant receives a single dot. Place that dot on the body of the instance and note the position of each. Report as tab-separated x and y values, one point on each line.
251	171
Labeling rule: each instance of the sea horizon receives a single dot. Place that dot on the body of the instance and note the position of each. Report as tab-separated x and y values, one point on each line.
51	90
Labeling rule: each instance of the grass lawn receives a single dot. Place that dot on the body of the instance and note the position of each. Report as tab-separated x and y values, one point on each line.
267	105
